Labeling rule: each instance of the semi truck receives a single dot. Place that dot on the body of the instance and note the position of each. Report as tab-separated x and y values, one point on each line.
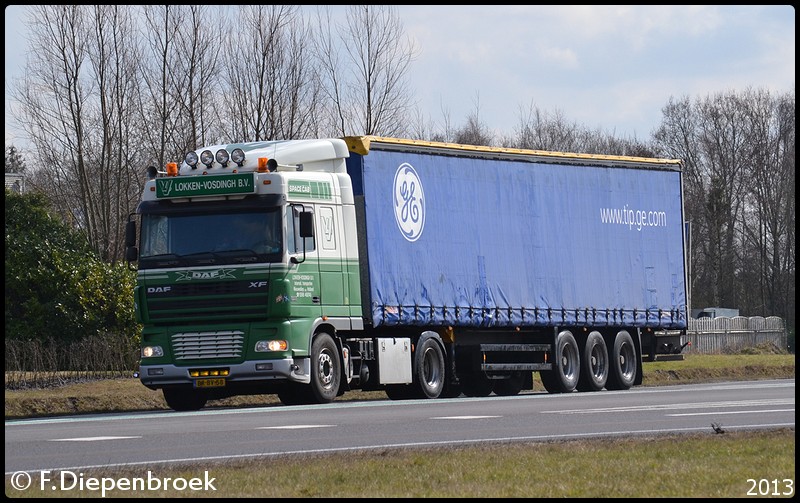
309	268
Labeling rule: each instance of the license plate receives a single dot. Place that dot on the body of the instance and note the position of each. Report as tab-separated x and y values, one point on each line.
209	383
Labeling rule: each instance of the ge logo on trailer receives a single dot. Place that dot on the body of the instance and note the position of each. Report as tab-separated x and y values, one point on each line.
409	202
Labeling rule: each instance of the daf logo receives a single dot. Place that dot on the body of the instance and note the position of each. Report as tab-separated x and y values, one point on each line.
158	289
258	284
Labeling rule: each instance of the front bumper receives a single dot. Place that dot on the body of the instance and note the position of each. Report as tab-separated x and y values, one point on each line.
250	372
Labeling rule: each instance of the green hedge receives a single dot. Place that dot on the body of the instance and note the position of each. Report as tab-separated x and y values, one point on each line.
57	287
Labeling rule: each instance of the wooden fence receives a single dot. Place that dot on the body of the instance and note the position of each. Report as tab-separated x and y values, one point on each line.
731	335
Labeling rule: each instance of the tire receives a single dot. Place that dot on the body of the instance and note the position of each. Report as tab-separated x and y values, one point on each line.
476	384
326	369
594	363
451	390
622	362
566	365
402	391
511	386
293	393
184	399
429	369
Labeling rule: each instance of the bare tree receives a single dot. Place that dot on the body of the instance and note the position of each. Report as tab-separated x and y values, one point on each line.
723	140
272	87
767	279
199	61
114	57
77	100
363	64
474	132
163	81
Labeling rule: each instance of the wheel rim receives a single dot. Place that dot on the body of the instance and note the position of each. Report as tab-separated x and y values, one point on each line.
430	368
627	362
325	365
569	361
598	361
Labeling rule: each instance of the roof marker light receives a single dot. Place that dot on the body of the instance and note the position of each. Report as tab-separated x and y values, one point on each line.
223	157
207	158
237	156
191	159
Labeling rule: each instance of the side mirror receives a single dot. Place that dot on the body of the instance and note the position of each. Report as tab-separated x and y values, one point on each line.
131	254
130	233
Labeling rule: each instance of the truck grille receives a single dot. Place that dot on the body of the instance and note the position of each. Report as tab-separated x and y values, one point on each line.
205	345
222	300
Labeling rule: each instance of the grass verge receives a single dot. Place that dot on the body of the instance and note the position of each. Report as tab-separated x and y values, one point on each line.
734	465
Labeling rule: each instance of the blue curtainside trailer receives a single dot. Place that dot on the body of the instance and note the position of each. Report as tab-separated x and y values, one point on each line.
307	268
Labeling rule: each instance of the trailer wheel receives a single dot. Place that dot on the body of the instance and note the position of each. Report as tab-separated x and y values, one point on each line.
184	399
511	386
622	358
566	365
326	369
429	370
594	363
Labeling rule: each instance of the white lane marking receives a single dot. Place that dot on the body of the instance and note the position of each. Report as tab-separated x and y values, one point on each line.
635	408
732	412
464	417
88	439
295	426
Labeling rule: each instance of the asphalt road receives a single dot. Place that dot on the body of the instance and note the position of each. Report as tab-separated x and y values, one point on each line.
209	436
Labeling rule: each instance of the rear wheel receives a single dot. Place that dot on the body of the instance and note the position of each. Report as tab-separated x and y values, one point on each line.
184	399
326	369
429	369
594	363
622	358
563	378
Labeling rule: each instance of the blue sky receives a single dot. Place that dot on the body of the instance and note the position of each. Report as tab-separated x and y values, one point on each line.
607	67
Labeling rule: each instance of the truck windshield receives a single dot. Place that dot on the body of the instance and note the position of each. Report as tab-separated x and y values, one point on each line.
185	238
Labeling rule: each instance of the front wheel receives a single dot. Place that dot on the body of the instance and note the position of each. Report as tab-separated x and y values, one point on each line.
563	378
184	399
326	369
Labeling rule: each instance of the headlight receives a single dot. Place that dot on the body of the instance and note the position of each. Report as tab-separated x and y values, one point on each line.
152	352
264	346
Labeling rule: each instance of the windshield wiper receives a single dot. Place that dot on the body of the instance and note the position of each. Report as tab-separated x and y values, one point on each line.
162	259
241	254
203	257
